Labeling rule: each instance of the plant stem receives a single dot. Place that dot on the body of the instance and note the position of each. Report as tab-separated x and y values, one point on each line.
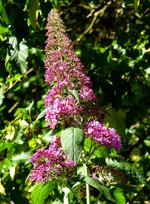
87	185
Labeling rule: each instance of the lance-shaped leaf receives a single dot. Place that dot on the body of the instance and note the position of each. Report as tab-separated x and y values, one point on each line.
105	191
72	140
41	115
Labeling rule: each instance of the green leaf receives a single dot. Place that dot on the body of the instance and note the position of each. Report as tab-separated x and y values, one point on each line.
4	146
21	158
71	139
3	13
40	192
128	168
4	30
29	107
147	143
41	115
119	196
136	6
22	56
127	188
33	12
147	70
116	119
75	187
54	3
19	53
105	191
75	94
1	95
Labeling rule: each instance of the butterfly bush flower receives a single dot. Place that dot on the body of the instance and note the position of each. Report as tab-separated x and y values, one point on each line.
107	175
65	73
70	102
51	163
103	135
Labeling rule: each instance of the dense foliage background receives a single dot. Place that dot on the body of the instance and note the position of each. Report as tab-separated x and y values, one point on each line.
112	39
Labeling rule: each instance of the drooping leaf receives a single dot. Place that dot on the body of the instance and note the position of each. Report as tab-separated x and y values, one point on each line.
128	168
119	196
105	191
22	56
71	139
40	192
19	53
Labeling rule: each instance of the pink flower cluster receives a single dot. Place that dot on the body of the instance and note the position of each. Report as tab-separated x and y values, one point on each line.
103	135
63	110
107	175
65	74
86	94
51	163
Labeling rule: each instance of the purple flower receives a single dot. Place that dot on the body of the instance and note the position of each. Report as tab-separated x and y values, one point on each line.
65	73
63	110
104	136
86	94
51	163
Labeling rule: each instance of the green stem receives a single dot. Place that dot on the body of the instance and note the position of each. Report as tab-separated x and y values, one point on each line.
97	200
74	193
87	185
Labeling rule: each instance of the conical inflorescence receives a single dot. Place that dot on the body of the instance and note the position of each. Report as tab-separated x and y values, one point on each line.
70	100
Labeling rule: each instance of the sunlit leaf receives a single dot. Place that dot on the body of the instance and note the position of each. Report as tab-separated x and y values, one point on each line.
12	172
1	95
136	6
147	143
71	139
40	192
119	196
135	154
19	53
21	158
3	12
41	115
2	189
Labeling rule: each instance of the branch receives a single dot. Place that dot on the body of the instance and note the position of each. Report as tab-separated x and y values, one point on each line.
96	14
10	87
